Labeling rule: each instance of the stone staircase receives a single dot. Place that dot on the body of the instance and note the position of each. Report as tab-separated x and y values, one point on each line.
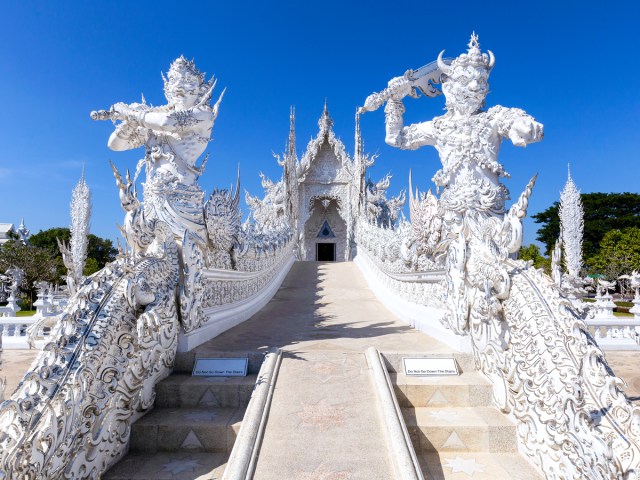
190	432
455	430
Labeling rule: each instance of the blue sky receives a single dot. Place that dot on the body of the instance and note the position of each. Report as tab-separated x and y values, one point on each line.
572	65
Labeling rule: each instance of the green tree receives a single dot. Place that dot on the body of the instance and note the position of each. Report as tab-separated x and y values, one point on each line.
619	253
38	264
100	251
532	252
602	212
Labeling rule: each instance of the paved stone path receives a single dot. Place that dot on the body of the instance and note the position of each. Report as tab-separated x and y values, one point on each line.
324	421
15	364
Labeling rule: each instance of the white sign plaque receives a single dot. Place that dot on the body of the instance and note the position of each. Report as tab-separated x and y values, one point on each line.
430	366
220	367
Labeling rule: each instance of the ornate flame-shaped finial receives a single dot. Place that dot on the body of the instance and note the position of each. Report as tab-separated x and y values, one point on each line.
181	68
473	58
326	122
473	42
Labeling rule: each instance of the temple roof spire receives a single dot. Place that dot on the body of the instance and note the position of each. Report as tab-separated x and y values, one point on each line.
291	142
326	122
359	144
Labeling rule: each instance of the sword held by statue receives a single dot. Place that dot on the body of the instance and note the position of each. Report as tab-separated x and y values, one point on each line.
414	83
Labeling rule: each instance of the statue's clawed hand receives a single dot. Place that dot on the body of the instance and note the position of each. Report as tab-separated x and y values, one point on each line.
400	87
524	131
121	111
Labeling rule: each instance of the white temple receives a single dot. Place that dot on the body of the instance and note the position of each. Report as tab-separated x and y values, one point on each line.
107	387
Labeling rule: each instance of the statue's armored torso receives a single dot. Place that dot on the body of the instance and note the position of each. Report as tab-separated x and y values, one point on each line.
467	140
177	151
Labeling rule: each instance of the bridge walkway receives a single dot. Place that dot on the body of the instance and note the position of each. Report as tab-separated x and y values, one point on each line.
324	420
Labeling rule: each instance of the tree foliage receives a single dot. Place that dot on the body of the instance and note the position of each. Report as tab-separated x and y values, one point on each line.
602	212
38	264
100	251
532	252
619	253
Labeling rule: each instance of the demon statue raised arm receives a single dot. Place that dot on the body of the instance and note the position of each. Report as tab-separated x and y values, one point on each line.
174	136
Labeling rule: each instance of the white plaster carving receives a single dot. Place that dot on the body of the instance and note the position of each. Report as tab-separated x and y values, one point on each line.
23	233
327	181
573	418
70	416
74	255
174	137
72	413
379	209
556	263
571	216
635	284
16	277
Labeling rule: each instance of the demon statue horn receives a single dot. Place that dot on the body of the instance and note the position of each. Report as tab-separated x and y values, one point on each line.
573	419
71	415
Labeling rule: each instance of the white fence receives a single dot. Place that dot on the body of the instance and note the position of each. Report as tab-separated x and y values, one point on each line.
616	333
13	331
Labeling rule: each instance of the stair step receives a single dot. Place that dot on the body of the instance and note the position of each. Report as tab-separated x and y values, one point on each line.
187	429
468	389
169	465
460	429
479	466
186	391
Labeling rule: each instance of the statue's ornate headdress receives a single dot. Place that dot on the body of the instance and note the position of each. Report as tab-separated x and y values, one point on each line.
182	68
474	58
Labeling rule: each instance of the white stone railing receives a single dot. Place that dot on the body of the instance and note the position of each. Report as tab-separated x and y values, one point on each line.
615	333
379	248
230	297
416	297
13	331
382	244
8	311
231	286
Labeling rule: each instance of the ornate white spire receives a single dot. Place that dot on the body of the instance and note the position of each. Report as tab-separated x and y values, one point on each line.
80	216
23	233
359	144
291	142
571	216
326	122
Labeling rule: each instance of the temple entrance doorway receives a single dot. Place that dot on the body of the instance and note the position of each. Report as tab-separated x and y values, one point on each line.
325	252
325	231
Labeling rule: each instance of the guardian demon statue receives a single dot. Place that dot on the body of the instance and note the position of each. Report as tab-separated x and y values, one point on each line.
174	136
573	419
